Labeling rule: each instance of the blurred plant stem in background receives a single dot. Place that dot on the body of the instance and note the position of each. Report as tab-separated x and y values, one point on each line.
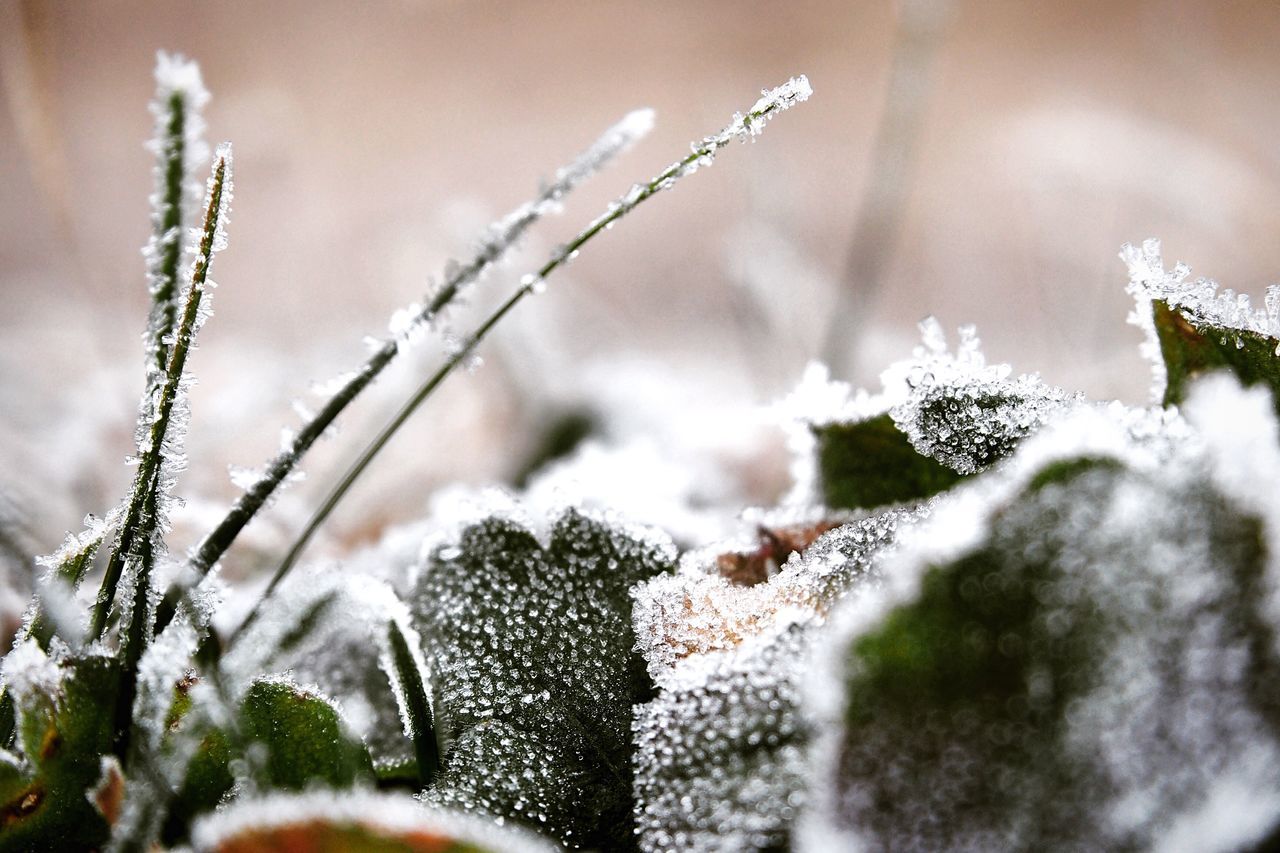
921	29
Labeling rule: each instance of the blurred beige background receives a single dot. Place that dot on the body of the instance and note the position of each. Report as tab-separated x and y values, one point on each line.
1025	141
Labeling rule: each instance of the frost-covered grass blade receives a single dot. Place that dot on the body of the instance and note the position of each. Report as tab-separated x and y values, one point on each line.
499	239
743	128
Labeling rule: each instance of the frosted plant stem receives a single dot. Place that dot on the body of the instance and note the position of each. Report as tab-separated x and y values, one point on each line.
500	238
921	31
134	523
742	127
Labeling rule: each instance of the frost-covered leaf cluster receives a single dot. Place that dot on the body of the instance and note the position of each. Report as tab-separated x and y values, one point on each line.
507	691
991	614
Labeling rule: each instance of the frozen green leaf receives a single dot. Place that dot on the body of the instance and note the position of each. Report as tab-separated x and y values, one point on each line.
872	463
305	738
1095	670
1192	346
64	723
532	655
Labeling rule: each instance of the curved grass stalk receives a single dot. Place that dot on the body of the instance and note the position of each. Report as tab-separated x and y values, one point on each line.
742	127
501	236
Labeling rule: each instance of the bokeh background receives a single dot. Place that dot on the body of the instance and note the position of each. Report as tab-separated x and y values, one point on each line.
979	160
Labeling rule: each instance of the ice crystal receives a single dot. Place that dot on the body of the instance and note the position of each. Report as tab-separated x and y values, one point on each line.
1072	652
964	413
1191	327
532	654
699	610
720	763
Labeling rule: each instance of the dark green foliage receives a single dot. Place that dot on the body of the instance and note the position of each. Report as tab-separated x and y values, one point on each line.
417	706
872	463
986	712
558	438
207	781
45	803
304	737
535	672
303	741
1192	347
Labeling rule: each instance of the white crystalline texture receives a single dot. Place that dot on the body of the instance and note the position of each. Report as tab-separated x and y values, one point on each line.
720	753
222	155
700	609
1148	279
952	406
532	654
176	78
720	763
964	413
75	544
1093	666
1200	299
175	73
30	674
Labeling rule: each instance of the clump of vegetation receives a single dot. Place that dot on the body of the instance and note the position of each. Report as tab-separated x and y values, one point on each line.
992	614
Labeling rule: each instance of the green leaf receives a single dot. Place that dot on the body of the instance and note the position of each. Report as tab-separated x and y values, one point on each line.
207	781
532	652
872	463
305	739
63	734
417	705
1105	640
1191	347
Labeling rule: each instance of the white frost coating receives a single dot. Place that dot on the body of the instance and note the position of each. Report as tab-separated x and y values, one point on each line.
1243	445
698	610
75	545
176	79
532	651
952	406
408	325
387	813
963	412
1164	728
719	758
29	672
1200	299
